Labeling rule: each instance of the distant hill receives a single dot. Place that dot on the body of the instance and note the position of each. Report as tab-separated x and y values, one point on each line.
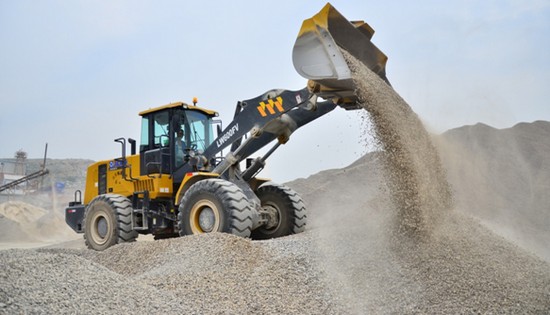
502	176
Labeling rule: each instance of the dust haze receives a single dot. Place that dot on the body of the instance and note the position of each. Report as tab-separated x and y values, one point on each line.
502	177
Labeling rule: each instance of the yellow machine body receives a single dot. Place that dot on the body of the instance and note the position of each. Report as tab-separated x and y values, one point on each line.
158	186
179	181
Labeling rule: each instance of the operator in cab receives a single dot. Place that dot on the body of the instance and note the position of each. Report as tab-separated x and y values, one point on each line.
180	147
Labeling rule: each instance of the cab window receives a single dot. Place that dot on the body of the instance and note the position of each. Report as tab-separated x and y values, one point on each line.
199	130
160	129
154	131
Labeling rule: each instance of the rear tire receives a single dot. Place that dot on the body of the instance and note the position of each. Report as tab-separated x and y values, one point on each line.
107	221
288	208
215	205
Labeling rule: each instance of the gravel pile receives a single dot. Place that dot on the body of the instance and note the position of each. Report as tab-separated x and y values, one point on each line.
348	267
62	282
502	176
406	250
11	230
461	268
24	222
210	274
223	272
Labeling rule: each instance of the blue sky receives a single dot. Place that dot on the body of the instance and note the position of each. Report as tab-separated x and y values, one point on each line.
76	73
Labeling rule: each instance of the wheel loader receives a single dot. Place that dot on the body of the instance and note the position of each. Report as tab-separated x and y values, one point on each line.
176	181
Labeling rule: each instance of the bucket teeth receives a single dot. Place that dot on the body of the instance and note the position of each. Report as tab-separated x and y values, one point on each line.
364	28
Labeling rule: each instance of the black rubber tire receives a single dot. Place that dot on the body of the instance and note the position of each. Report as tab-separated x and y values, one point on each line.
290	210
225	200
114	214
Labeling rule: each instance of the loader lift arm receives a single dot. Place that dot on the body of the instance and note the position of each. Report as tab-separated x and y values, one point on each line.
274	115
317	56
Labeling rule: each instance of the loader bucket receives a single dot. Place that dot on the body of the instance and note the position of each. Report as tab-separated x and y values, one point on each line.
317	53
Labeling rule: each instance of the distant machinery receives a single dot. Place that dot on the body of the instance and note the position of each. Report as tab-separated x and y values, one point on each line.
10	181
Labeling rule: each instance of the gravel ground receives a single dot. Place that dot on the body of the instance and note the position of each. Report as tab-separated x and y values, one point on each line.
461	268
209	274
340	269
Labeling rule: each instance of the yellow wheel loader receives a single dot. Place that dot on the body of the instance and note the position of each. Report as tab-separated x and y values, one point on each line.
176	181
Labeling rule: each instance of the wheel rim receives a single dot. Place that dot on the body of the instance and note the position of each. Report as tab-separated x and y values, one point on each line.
207	219
274	215
101	225
204	217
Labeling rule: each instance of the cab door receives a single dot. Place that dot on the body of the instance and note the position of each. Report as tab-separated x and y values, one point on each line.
155	150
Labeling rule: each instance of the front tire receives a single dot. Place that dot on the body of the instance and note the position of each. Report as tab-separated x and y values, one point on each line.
285	208
215	205
107	221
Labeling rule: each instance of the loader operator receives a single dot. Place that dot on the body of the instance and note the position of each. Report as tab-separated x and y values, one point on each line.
180	147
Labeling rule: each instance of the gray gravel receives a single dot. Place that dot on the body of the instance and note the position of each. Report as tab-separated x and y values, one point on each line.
63	282
338	269
210	274
461	268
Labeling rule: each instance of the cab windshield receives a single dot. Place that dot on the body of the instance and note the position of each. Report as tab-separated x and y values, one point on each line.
192	134
197	129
